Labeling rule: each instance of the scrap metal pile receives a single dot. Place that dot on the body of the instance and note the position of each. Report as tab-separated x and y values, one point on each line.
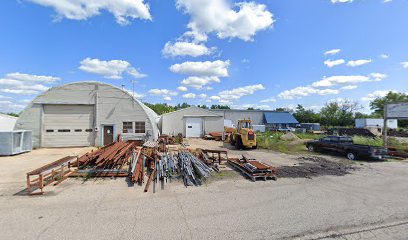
107	161
153	161
253	169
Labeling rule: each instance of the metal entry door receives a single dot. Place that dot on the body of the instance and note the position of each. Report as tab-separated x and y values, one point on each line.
107	135
193	127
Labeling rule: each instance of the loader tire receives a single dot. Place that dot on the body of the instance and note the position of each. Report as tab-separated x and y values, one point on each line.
238	143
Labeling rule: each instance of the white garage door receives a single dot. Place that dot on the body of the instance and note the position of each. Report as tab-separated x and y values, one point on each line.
193	127
68	125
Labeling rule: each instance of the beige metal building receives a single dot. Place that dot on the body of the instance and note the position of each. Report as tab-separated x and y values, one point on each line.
191	122
86	114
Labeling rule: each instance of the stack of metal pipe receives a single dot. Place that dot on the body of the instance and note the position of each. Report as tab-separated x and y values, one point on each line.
193	170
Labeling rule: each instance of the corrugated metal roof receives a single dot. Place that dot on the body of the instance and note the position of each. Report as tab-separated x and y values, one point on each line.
279	117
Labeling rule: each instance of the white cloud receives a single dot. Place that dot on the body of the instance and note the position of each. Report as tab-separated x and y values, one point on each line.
378	76
348	80
135	94
241	20
376	94
4	97
327	84
202	96
190	95
113	69
216	68
341	1
8	106
332	52
31	78
255	106
268	100
349	87
299	92
122	10
216	98
357	63
165	93
384	56
199	82
159	92
387	1
135	73
186	49
228	96
182	89
404	64
329	63
25	84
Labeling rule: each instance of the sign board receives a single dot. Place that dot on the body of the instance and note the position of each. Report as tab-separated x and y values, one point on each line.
397	110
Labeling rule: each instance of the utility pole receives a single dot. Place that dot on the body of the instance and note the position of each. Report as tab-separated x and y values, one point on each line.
385	131
133	88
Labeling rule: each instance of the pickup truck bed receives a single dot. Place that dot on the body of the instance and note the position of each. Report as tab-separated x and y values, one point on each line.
345	146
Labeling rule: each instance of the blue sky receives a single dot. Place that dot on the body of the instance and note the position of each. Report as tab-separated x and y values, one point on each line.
263	53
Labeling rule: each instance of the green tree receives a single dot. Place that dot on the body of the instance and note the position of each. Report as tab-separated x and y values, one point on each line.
377	105
161	108
306	115
339	113
202	106
220	107
280	110
12	114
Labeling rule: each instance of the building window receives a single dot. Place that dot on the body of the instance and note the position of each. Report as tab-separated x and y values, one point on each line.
140	127
88	130
64	130
78	130
49	130
127	127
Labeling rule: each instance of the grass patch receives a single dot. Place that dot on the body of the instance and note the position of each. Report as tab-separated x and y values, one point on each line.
378	142
375	142
273	141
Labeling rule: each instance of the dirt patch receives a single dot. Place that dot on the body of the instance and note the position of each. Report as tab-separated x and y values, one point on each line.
312	166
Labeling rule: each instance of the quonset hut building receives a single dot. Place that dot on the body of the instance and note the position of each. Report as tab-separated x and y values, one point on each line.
87	114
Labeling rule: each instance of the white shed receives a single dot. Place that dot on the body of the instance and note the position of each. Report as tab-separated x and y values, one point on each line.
7	123
191	122
86	114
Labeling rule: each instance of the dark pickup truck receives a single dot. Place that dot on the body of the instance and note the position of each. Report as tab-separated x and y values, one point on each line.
345	146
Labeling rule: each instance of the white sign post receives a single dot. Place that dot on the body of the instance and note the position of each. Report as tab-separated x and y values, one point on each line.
393	111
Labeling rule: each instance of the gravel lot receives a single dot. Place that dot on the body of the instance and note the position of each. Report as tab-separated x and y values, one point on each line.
369	203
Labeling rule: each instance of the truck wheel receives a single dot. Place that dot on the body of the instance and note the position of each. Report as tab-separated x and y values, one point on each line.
351	156
255	147
238	143
310	148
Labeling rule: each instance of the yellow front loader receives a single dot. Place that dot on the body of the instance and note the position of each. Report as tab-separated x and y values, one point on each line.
244	135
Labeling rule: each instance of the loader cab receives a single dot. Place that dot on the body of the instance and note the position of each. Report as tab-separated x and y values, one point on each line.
246	124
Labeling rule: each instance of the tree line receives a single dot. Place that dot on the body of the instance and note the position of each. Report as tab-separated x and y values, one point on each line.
335	113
